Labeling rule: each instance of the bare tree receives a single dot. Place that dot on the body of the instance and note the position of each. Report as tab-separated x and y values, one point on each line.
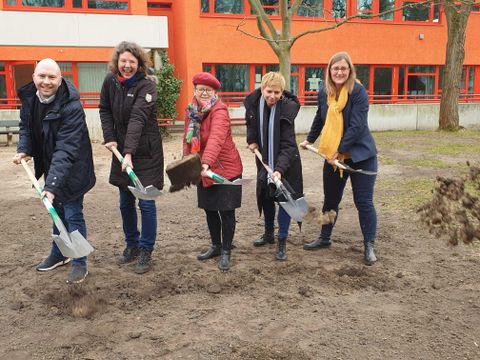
282	40
457	15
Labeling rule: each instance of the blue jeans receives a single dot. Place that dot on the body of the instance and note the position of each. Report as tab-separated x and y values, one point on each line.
71	214
362	188
145	240
268	205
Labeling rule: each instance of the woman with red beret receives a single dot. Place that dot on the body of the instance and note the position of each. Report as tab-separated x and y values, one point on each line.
208	133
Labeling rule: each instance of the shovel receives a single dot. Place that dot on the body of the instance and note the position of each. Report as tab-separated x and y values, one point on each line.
298	208
72	245
220	180
139	191
340	164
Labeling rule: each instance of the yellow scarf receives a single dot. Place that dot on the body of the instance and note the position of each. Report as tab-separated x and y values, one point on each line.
332	131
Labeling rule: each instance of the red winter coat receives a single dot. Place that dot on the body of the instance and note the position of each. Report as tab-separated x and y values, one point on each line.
217	148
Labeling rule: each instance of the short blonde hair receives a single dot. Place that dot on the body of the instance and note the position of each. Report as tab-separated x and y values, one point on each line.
272	79
352	75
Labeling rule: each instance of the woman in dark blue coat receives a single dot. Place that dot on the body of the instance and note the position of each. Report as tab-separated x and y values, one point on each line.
342	124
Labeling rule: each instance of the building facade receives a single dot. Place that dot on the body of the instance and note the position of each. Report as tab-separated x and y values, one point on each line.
399	56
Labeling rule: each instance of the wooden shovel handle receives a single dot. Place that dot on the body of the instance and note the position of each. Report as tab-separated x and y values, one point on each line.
32	177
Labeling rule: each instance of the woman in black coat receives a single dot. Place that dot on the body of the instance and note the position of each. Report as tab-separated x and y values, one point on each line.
270	116
129	122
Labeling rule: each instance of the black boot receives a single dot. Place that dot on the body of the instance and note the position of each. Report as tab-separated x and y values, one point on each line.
224	263
320	243
369	257
282	249
267	238
144	261
129	255
212	252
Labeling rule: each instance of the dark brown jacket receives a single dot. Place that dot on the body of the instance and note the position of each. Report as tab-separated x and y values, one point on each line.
129	117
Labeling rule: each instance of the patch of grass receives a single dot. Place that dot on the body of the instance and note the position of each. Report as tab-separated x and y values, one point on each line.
426	162
385	160
405	195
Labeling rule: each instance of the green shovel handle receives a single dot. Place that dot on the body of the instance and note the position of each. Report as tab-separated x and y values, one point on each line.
131	174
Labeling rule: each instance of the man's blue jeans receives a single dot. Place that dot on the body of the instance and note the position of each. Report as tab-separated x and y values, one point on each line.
145	240
268	205
71	214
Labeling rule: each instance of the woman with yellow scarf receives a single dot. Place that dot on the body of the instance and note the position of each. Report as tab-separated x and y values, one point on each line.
341	122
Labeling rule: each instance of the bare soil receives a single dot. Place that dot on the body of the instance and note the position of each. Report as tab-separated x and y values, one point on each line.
420	301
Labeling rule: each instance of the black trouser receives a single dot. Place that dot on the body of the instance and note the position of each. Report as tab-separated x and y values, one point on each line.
221	225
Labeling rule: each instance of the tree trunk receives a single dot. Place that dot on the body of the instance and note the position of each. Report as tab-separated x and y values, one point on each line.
457	19
285	65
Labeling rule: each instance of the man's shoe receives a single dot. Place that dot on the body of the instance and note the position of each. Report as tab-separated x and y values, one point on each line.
77	274
51	262
282	249
369	257
144	261
129	255
318	244
213	251
224	263
267	238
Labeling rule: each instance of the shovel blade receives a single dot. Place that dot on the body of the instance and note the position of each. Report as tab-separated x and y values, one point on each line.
148	193
72	245
297	209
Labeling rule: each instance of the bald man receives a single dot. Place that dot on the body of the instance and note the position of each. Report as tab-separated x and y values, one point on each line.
53	132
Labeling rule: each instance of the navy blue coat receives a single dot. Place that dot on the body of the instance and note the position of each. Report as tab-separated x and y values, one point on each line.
66	148
357	139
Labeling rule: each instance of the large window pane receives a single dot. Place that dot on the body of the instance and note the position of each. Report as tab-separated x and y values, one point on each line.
421	69
386	5
2	66
272	67
234	78
65	66
470	80
365	7
117	5
228	6
90	76
311	8
416	11
314	78
47	3
363	74
339	8
382	82
258	76
3	87
205	6
421	85
294	85
401	80
207	68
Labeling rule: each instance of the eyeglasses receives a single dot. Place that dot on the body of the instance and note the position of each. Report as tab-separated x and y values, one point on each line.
337	69
204	90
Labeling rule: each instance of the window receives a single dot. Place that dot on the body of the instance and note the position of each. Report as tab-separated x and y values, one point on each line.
67	71
416	11
223	6
90	80
3	82
234	77
420	81
365	8
314	78
271	7
382	82
339	9
363	74
71	5
386	5
312	8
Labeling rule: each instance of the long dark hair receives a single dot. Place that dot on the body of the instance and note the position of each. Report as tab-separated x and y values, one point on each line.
136	50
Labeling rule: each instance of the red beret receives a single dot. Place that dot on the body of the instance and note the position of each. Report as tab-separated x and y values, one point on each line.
205	78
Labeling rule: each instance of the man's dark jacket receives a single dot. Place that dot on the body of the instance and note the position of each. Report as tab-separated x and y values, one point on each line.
67	163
